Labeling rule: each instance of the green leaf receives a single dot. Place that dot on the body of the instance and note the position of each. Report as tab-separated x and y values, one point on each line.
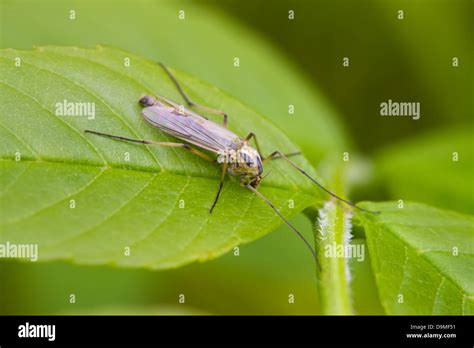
436	169
422	258
79	198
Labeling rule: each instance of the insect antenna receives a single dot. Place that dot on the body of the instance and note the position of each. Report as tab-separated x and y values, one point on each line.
265	199
278	154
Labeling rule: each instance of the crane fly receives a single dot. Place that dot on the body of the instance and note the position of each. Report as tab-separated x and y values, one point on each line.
234	153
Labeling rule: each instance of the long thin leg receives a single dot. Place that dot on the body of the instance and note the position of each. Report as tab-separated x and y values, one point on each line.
249	137
189	101
252	135
286	154
152	142
265	199
221	184
277	153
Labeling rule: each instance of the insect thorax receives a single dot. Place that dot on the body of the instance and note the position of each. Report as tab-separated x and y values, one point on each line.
244	161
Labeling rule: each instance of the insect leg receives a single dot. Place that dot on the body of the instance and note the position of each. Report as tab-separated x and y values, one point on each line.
152	142
221	184
189	101
252	135
293	164
279	156
249	137
270	204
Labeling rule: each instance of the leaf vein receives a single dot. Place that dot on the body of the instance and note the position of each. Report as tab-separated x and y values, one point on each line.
59	120
36	212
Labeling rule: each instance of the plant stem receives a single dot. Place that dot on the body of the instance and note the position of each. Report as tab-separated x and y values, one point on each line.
332	231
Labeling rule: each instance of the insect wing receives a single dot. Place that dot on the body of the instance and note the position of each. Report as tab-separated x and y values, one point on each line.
190	127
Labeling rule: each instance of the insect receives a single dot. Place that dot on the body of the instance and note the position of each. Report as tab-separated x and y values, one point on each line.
235	154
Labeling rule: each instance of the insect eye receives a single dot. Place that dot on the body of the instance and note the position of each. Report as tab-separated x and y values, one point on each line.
248	161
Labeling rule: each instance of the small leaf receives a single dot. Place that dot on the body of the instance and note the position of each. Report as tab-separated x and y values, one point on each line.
422	258
94	200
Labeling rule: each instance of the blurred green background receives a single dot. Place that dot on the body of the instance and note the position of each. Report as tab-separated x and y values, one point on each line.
282	62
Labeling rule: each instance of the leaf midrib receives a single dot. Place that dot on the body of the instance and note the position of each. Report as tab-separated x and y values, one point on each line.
107	166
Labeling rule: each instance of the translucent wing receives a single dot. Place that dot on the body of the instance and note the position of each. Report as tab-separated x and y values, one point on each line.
190	127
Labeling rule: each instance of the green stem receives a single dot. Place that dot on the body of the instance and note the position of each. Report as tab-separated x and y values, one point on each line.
331	227
334	289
